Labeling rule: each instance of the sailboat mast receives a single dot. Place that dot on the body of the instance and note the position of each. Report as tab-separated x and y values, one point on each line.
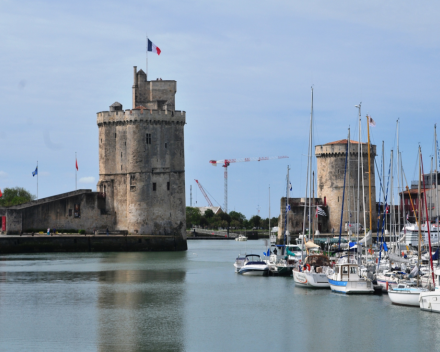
348	186
359	175
369	172
310	164
269	215
419	207
436	184
391	200
398	183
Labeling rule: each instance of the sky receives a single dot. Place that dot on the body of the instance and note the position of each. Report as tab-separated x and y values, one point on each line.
244	72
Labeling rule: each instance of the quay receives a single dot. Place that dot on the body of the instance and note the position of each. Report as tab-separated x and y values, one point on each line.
42	243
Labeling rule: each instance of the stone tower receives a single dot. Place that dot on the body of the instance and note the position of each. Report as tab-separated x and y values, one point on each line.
142	161
331	167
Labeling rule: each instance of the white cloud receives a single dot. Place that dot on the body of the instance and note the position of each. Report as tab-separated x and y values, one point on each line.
88	179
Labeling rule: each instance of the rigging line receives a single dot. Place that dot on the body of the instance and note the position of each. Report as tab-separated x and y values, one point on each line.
212	197
378	175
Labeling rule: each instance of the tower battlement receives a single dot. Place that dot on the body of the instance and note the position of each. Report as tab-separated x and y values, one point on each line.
141	116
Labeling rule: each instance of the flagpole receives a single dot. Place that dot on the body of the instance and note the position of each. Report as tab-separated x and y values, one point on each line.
37	179
146	67
76	173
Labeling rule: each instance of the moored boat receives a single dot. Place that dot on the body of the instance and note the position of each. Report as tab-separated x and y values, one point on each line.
405	294
345	278
254	266
313	273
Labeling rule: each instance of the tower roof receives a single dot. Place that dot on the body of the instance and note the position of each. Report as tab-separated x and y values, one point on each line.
343	141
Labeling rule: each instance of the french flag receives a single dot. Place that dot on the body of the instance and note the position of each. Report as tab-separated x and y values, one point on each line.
153	48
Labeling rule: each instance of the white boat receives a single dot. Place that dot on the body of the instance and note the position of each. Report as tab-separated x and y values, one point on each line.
313	273
239	262
387	280
405	294
254	266
345	278
241	238
430	301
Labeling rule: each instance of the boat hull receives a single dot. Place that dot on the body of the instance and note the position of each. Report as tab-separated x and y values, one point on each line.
404	298
351	287
314	280
254	270
430	301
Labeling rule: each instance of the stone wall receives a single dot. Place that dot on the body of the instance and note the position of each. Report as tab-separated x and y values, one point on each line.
59	213
331	168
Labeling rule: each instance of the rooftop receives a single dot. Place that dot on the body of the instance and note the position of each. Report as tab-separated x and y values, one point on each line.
344	141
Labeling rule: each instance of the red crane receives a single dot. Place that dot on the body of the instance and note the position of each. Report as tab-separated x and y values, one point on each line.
204	193
226	162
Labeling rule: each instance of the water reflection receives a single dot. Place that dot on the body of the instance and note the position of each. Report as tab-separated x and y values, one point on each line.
141	310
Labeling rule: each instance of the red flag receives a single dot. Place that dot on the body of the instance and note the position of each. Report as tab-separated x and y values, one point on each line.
76	165
1	194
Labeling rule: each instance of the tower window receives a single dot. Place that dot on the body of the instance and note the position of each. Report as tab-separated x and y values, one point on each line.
165	146
168	186
101	140
115	135
154	186
121	167
148	138
121	154
338	199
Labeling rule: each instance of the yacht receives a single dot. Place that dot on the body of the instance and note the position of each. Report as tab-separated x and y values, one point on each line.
254	266
406	294
241	238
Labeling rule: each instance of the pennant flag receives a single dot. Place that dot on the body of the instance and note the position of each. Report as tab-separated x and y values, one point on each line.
35	172
320	211
288	208
385	247
371	121
153	48
290	183
1	194
76	164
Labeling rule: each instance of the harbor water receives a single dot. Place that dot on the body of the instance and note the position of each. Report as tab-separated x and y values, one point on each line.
190	301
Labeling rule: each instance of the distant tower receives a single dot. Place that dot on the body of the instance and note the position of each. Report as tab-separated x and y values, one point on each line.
331	167
142	161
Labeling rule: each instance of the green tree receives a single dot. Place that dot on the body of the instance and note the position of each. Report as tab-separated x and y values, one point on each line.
208	213
225	217
192	216
255	221
237	216
15	196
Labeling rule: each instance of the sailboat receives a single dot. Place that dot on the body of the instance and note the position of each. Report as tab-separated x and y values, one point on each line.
315	267
407	294
346	278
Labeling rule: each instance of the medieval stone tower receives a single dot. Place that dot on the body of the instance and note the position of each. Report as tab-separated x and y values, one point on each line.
142	161
331	168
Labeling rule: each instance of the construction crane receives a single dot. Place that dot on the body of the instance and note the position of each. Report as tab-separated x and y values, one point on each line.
204	193
225	163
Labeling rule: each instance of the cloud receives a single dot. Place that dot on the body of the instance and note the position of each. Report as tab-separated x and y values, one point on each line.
88	179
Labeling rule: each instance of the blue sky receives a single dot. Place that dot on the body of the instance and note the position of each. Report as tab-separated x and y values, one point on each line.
243	70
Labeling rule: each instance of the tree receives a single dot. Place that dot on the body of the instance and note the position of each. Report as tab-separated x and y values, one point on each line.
255	221
15	196
237	216
225	217
208	213
192	216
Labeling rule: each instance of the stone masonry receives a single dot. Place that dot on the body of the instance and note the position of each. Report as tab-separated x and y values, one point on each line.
331	167
142	161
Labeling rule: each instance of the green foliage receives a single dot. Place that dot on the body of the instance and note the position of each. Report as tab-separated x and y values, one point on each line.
82	232
15	196
237	216
208	213
193	216
255	221
225	217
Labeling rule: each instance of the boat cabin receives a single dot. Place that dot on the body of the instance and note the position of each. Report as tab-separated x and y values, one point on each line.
317	261
347	272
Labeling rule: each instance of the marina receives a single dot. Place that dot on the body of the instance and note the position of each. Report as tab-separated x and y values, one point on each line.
189	301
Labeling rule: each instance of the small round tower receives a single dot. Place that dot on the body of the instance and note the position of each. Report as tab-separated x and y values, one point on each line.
331	169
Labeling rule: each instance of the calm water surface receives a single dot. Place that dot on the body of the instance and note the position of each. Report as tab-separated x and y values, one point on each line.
190	301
